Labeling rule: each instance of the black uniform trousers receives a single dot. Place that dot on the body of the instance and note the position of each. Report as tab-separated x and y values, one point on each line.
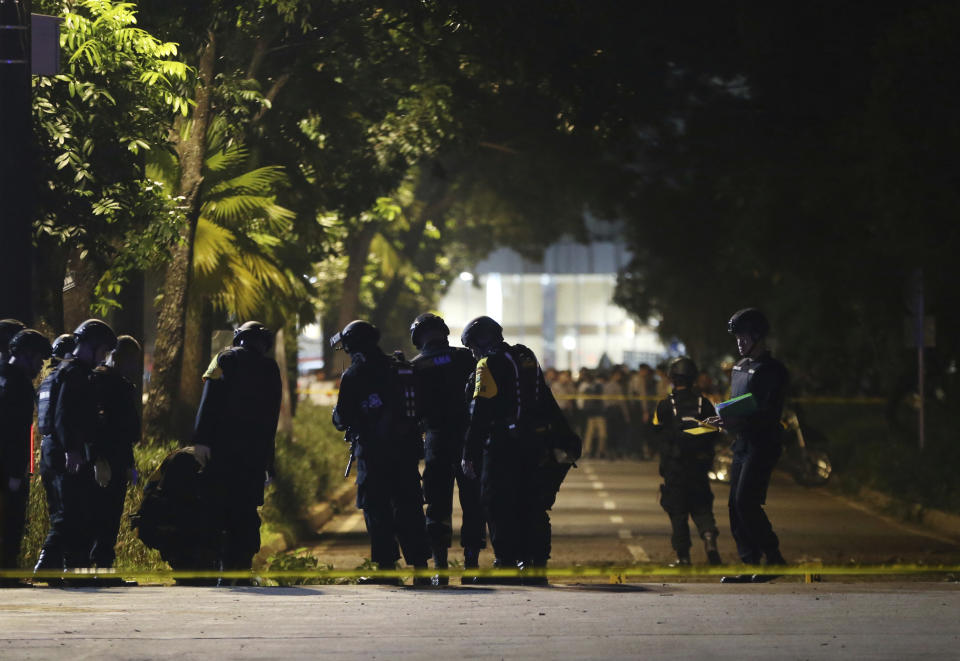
513	496
749	478
685	494
13	518
107	503
237	493
71	524
441	469
390	496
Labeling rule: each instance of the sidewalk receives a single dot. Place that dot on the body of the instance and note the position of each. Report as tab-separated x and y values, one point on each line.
652	621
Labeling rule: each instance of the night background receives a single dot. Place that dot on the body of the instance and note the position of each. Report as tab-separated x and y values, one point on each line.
193	165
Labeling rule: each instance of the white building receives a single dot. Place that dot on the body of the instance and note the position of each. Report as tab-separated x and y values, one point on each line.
561	307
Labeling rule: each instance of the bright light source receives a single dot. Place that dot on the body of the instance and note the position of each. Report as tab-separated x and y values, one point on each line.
466	276
569	342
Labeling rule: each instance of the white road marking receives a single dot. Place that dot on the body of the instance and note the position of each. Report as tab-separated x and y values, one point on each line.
624	534
609	505
598	485
616	518
638	553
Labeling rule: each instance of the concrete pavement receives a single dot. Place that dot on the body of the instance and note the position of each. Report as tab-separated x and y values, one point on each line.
652	621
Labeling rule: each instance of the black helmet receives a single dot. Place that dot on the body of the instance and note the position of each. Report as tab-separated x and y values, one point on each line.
96	333
9	328
749	321
30	341
356	336
683	369
482	333
253	335
63	345
426	323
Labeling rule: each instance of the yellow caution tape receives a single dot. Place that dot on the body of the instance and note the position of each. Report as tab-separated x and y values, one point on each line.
616	574
652	398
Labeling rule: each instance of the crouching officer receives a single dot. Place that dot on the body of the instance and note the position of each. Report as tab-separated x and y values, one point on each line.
757	442
68	425
376	405
234	438
27	351
442	371
508	446
685	460
118	429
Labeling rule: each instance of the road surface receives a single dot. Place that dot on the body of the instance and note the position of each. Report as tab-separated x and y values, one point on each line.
607	513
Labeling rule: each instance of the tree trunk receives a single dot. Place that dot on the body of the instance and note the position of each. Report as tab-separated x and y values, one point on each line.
358	252
160	417
193	366
285	426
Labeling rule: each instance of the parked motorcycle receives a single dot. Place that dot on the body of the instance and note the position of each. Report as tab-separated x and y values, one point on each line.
804	456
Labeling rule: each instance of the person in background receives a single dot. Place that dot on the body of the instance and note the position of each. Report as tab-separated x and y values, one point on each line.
595	423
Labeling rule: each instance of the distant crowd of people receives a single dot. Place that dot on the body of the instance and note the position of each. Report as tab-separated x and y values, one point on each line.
613	408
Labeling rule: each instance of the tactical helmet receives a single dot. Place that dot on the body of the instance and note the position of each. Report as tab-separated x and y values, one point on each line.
356	336
481	334
253	335
425	323
30	341
683	369
95	332
63	345
9	328
749	321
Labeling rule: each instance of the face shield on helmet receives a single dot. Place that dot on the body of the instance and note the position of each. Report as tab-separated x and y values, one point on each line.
253	335
357	336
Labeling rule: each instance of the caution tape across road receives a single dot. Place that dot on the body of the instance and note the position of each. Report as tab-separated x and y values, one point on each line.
613	573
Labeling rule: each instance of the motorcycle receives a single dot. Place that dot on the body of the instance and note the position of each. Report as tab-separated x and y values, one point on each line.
803	454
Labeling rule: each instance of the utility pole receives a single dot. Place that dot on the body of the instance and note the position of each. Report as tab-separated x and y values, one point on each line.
16	156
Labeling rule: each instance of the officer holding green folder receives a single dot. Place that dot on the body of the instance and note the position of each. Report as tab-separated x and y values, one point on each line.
752	415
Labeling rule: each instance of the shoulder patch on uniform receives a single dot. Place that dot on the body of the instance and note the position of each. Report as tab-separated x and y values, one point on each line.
656	418
213	369
484	386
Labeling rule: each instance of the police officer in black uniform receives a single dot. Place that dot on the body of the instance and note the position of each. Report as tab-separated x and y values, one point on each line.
685	460
28	349
8	328
376	406
118	429
234	438
508	447
68	426
757	443
442	371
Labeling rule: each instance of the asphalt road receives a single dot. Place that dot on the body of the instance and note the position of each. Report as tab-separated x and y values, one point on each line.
607	513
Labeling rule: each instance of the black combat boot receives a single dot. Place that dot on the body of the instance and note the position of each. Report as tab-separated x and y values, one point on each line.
440	562
49	561
471	560
710	545
683	559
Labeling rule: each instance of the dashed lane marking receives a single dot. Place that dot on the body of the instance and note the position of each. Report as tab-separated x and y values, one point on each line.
616	518
638	553
624	534
609	505
598	485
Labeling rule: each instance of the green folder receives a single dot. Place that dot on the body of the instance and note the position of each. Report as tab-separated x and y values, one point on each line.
738	406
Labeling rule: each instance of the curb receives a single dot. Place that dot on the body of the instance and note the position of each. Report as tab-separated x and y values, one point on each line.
319	514
943	522
316	517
